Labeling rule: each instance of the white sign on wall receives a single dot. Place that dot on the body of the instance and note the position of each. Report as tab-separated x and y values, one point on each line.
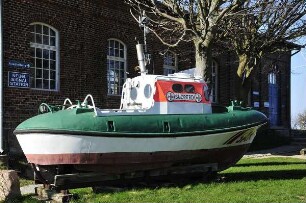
255	93
19	80
256	104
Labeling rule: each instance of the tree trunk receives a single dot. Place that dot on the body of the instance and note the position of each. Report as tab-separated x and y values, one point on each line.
242	64
242	90
246	65
243	80
202	61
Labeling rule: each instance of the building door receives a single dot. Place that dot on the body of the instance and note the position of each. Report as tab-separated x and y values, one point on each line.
274	114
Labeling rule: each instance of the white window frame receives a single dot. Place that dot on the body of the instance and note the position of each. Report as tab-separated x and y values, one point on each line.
50	48
116	59
170	69
214	82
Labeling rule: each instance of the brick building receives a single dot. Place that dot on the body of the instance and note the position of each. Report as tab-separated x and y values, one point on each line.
58	49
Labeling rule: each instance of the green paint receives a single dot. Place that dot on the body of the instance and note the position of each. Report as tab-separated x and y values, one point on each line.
84	121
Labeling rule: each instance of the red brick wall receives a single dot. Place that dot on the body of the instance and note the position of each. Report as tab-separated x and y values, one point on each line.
227	76
282	61
84	28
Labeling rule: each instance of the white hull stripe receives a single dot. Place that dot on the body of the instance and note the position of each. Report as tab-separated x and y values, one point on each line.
40	143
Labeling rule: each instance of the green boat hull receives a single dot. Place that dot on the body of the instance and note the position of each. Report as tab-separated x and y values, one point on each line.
84	121
79	140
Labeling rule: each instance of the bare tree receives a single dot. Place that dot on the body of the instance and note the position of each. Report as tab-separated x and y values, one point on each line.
250	28
260	28
300	122
264	26
196	21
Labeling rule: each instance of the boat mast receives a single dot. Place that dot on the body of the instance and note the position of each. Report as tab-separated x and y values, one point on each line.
142	50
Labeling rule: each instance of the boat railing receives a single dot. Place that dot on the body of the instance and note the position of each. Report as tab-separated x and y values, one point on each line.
84	104
89	102
93	106
65	103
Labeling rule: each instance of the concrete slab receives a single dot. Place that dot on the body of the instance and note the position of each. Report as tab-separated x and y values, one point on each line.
29	189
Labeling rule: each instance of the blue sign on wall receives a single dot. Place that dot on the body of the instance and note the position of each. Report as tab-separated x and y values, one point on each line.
18	64
17	79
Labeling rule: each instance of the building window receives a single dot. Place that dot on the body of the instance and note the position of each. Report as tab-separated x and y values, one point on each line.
116	66
170	63
214	82
274	99
45	57
272	78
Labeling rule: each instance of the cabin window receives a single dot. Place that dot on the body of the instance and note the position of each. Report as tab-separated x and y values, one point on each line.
133	93
177	88
116	66
170	63
214	82
45	57
148	91
189	88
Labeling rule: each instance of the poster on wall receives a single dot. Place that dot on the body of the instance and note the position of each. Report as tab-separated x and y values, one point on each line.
18	80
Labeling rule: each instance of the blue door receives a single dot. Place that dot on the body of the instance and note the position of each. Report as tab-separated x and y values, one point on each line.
273	100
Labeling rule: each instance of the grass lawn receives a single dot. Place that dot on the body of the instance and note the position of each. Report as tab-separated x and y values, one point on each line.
251	180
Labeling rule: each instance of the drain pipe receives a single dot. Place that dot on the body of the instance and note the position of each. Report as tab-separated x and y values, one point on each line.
1	76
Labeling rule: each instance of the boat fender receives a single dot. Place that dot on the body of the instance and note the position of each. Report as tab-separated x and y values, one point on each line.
237	105
46	108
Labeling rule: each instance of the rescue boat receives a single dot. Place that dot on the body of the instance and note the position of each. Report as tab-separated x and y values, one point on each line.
162	122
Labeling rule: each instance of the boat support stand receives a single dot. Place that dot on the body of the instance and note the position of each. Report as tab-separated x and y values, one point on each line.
48	193
70	181
58	192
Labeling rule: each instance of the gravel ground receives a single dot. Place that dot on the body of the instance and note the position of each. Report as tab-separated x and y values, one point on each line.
286	150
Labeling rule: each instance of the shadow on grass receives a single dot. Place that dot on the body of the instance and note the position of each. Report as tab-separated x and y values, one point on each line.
271	164
181	182
264	175
25	199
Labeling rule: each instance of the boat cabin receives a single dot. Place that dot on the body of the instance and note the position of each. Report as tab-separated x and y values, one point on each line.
177	93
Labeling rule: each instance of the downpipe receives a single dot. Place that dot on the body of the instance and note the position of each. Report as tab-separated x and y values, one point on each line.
1	76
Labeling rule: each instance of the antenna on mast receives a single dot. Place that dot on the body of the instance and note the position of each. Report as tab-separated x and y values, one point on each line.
143	21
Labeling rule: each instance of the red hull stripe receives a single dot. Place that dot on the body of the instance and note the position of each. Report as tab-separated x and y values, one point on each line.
222	156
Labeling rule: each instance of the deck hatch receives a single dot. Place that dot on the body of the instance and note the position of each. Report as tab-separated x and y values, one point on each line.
110	126
166	126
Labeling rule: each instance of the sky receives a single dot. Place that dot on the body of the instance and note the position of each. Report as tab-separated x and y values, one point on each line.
298	84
